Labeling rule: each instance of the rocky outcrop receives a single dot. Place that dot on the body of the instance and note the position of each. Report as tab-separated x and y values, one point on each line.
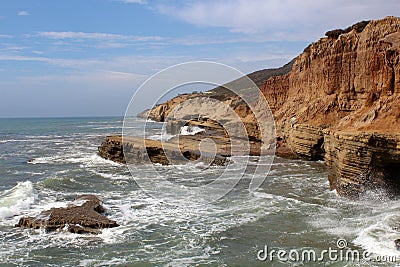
111	149
363	161
83	215
307	141
349	83
339	101
135	150
341	78
211	145
358	27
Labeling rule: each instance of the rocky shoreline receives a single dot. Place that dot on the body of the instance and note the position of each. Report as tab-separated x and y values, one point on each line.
339	101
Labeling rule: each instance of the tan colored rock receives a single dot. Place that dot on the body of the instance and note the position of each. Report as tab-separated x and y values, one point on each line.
347	82
337	79
362	161
178	150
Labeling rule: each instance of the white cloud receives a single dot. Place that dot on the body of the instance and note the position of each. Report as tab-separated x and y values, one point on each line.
142	2
23	13
108	79
96	36
22	58
100	40
5	36
282	19
11	47
141	65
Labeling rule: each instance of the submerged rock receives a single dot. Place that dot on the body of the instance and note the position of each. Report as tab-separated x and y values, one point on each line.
82	216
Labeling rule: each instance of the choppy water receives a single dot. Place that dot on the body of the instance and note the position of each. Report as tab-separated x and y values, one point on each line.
45	163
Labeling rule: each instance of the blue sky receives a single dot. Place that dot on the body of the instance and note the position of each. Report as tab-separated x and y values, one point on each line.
87	57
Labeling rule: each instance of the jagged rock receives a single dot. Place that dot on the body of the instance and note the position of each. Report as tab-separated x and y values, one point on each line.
111	149
334	33
360	161
347	84
307	141
358	27
82	216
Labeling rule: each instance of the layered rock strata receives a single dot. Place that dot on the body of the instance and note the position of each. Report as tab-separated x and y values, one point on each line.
135	150
349	85
339	101
212	146
363	161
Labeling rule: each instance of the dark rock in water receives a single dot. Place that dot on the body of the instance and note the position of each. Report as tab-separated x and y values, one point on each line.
112	149
80	217
397	244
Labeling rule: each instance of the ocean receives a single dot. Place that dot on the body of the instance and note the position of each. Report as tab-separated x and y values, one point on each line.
46	162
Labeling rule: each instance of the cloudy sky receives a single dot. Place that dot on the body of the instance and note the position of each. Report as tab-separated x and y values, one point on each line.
87	57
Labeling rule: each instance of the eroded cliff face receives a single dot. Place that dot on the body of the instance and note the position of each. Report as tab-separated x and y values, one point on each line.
349	85
355	76
363	161
340	102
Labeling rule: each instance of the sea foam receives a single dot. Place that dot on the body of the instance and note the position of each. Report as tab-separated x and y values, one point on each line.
17	199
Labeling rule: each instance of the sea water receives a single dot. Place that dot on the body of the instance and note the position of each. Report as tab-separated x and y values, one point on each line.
45	163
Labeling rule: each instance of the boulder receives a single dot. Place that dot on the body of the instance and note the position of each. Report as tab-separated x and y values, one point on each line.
83	215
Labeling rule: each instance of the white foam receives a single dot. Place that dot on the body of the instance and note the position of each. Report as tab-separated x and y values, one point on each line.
88	159
379	238
191	130
41	160
97	160
17	199
161	137
113	176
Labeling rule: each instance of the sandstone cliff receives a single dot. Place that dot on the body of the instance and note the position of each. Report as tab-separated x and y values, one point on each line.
340	102
343	92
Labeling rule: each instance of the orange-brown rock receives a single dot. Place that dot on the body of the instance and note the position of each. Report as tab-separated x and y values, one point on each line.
347	84
363	161
342	88
276	91
338	82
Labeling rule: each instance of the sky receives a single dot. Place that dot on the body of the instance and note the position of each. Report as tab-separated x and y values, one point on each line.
68	58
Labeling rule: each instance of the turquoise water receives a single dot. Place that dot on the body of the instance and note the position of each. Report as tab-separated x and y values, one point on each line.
45	163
